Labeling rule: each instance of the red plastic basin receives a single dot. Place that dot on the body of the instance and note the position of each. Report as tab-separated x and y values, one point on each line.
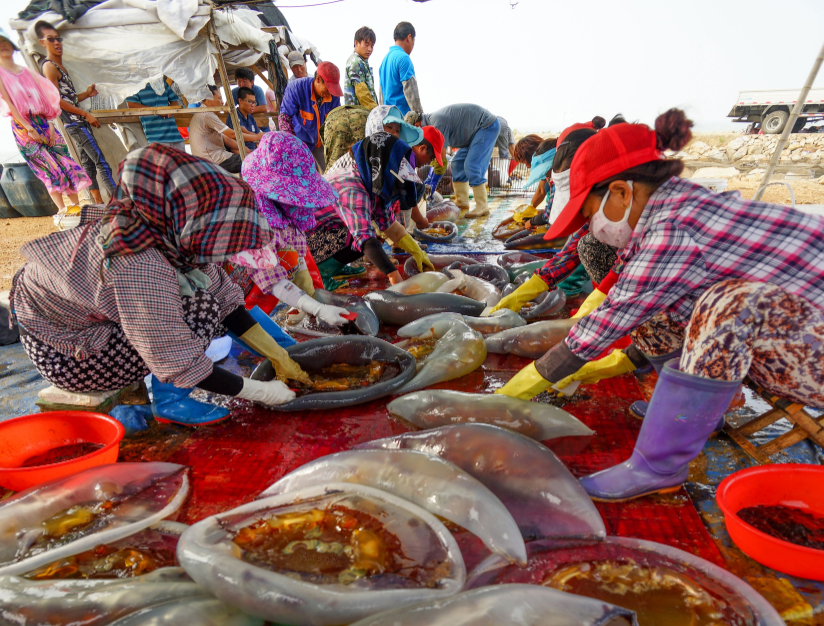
24	437
794	485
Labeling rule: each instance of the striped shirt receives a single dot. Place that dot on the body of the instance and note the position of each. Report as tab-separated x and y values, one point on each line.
355	209
689	239
158	129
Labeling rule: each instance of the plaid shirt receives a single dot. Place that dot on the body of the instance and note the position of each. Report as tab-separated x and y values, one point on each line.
355	209
565	262
58	297
687	240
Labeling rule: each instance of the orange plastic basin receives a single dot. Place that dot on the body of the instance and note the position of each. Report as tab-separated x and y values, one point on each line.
30	435
794	485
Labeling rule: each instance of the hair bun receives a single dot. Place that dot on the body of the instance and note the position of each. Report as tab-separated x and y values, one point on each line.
598	122
673	130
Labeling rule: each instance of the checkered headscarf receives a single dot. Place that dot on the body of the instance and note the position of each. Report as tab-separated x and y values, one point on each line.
183	206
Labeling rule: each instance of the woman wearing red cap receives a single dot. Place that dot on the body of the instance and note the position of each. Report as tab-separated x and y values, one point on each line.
725	287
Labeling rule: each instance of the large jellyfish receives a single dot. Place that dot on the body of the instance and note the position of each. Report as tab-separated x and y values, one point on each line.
495	323
427	282
432	408
537	489
472	287
400	309
329	554
524	605
73	514
459	350
432	483
532	340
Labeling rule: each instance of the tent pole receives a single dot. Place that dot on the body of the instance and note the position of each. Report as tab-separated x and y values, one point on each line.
57	121
274	78
221	66
788	127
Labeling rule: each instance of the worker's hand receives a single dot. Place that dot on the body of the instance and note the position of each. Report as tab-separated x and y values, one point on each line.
91	91
611	365
528	225
592	302
35	136
271	392
411	246
330	314
92	120
523	294
395	278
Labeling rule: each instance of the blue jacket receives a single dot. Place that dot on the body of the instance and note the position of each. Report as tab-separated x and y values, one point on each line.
307	114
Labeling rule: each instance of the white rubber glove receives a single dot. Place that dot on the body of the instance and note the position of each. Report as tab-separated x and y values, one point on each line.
272	392
326	312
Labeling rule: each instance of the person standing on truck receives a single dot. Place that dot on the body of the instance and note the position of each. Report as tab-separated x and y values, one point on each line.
359	86
399	87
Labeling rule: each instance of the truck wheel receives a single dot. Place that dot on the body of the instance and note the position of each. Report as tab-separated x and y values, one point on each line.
774	122
799	124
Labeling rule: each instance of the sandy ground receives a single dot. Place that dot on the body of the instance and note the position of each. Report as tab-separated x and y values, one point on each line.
13	234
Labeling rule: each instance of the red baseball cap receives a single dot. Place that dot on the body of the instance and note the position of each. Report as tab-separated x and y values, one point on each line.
435	137
612	151
566	131
330	74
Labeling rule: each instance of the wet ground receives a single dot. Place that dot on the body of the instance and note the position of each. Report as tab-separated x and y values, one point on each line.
235	460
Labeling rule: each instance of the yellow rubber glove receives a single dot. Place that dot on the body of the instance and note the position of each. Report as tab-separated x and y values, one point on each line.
523	294
303	280
611	365
526	384
524	213
262	342
592	302
411	246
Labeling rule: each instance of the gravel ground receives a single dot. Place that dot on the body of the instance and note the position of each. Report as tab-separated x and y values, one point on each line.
13	234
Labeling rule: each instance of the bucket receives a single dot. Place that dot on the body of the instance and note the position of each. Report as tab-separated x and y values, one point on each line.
6	210
713	184
25	192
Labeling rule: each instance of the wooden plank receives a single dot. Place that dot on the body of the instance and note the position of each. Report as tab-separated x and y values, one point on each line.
756	424
224	78
259	72
790	438
746	446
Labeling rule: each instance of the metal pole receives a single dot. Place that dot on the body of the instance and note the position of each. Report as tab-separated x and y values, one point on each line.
797	109
241	145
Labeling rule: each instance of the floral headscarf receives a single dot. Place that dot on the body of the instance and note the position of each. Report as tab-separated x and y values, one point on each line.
287	186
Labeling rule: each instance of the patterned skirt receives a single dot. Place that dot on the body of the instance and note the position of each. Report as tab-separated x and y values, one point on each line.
324	243
51	164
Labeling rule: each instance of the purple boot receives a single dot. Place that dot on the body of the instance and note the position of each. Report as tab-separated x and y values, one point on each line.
682	414
639	407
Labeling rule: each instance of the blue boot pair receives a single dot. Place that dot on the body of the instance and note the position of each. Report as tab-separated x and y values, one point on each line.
172	405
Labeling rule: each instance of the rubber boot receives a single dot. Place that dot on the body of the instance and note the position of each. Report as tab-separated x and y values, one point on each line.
639	407
328	270
682	415
574	283
173	405
461	195
347	271
481	202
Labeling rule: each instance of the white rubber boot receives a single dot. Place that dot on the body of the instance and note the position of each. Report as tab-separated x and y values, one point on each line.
481	203
461	195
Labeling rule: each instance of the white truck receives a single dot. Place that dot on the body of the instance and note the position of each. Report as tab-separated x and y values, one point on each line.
771	108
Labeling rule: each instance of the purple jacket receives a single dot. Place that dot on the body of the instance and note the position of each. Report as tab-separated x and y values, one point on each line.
307	114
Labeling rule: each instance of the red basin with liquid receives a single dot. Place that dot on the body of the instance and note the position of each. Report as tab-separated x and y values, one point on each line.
795	485
22	438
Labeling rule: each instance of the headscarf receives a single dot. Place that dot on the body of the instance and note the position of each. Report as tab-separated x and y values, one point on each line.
287	186
410	134
187	208
379	157
541	164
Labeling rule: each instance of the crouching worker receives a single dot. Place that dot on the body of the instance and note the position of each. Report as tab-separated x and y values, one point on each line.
372	179
288	190
138	291
713	287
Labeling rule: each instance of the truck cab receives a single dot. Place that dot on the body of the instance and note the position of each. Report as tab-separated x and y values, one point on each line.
771	109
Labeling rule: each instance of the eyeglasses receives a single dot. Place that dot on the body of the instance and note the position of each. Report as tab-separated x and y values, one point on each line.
53	39
252	102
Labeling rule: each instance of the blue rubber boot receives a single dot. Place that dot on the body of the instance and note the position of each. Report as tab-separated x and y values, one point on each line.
639	407
682	415
172	405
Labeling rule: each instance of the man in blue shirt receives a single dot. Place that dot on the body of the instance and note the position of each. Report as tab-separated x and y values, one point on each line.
158	128
245	77
399	86
306	103
245	113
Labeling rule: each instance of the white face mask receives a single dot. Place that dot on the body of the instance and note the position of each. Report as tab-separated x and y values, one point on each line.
559	201
615	234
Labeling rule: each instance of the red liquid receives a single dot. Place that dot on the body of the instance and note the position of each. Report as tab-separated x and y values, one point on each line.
62	453
787	523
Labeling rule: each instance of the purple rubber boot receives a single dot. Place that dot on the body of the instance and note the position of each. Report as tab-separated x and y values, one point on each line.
639	407
682	415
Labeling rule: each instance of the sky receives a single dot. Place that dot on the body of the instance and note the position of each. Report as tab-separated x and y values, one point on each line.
546	64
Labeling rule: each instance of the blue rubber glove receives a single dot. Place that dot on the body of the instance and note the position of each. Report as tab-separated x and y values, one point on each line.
432	180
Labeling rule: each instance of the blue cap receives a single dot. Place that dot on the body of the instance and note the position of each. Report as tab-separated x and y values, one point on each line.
410	135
